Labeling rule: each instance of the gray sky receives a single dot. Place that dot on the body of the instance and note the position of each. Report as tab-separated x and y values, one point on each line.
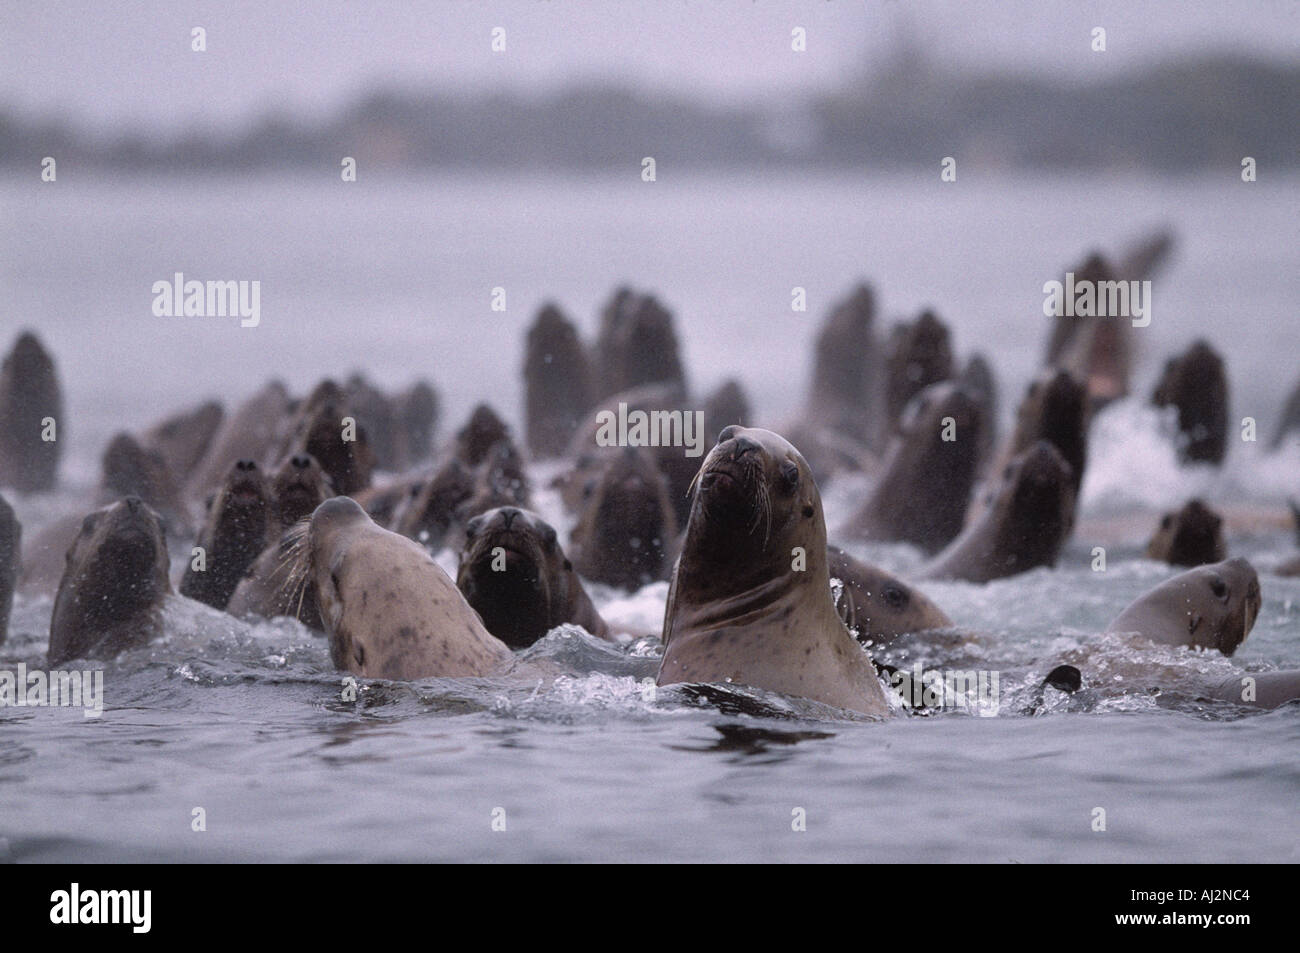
106	67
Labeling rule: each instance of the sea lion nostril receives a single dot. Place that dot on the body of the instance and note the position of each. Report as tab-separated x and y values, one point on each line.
508	516
301	461
133	503
246	465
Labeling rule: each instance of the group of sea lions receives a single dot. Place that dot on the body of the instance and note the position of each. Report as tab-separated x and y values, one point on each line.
328	508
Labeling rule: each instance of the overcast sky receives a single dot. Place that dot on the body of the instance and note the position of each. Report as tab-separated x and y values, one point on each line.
109	67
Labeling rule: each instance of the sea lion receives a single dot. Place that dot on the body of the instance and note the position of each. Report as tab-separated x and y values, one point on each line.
129	469
383	502
389	610
233	536
1288	421
114	584
917	355
672	460
727	405
1024	526
978	380
327	428
483	431
433	512
29	397
11	545
1209	607
515	575
627	533
1055	409
252	432
1095	349
1259	689
876	606
1191	536
557	383
844	393
298	486
182	439
374	412
636	345
927	474
1196	383
750	601
417	420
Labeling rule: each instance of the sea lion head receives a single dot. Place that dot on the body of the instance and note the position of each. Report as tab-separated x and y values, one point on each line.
1035	506
627	525
432	513
319	556
117	571
514	574
481	433
755	502
298	487
877	606
1209	607
1191	536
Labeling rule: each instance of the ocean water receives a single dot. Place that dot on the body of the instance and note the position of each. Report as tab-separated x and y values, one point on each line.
395	277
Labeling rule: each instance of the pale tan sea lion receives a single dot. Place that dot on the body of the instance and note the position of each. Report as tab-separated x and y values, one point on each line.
876	606
1209	607
389	610
750	600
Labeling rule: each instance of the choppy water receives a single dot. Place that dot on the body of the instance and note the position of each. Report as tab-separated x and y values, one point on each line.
248	724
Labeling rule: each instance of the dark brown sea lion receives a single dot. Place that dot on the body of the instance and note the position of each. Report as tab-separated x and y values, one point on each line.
844	393
384	502
327	428
878	607
1025	526
29	397
417	417
388	609
927	474
627	533
113	587
374	412
674	461
433	512
233	536
1197	384
727	405
514	574
130	469
184	438
1055	409
1209	607
483	431
1096	350
1192	536
557	383
11	546
298	486
978	380
253	432
750	601
636	345
917	355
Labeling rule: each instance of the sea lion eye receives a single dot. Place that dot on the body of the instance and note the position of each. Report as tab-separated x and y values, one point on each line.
88	524
790	473
1006	474
1218	587
1167	521
895	598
